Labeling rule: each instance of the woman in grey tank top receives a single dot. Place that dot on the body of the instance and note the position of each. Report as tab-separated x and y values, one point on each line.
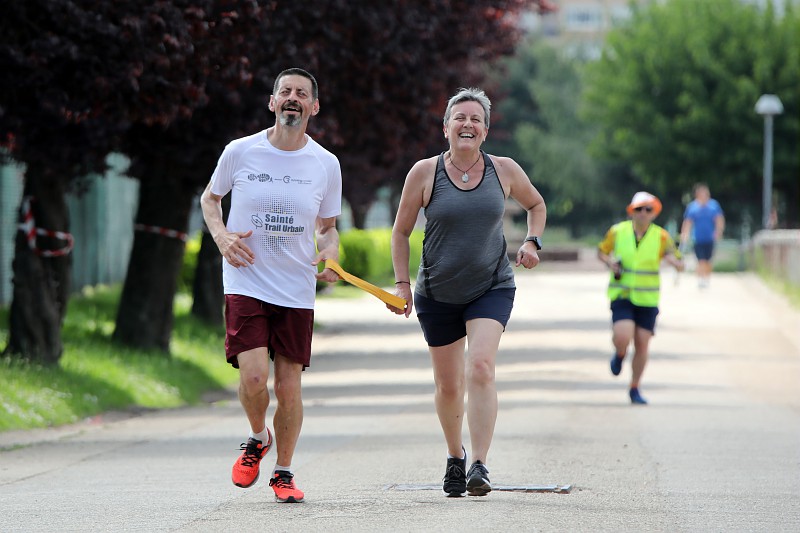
464	290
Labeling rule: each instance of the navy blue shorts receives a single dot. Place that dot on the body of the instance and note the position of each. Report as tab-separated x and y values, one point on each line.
444	324
704	251
644	317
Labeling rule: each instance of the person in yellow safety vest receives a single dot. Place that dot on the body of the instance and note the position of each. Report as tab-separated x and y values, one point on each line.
633	251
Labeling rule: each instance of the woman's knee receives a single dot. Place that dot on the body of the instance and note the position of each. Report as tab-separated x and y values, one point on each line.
480	370
451	389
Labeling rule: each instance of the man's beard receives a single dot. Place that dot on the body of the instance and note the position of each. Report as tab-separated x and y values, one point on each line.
290	120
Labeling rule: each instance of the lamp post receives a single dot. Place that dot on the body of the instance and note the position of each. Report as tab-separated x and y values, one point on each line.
768	105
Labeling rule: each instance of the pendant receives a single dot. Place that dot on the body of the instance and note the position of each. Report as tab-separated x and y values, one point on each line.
465	177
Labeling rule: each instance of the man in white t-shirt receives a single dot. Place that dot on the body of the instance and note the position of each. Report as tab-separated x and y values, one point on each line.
286	192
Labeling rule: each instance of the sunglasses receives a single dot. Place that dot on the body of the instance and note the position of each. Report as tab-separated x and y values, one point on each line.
646	209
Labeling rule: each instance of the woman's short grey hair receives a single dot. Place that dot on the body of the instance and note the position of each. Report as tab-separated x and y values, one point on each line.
471	94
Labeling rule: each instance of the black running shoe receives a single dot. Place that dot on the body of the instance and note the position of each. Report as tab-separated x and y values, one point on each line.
455	477
478	480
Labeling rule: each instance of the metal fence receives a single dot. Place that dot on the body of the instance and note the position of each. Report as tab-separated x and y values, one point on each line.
778	252
101	223
10	193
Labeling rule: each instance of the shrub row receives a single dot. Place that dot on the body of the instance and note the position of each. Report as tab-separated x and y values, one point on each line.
368	253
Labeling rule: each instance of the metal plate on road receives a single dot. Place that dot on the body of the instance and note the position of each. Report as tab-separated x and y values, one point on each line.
558	489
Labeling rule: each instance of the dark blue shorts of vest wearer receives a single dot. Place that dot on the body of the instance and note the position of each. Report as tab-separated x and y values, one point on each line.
644	317
443	323
704	250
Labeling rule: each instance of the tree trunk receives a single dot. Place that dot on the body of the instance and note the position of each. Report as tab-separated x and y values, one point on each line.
207	291
145	314
41	283
359	213
208	298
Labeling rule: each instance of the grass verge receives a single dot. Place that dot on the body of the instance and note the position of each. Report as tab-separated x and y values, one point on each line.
782	286
97	375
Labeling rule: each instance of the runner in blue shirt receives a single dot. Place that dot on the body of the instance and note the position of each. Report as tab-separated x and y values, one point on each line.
703	223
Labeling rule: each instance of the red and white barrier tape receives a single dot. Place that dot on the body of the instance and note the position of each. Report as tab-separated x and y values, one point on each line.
28	227
175	234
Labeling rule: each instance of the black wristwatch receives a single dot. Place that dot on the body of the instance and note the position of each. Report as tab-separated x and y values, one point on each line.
535	240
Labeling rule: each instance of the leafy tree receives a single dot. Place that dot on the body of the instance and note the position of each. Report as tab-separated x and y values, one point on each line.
674	93
387	69
174	162
536	122
76	74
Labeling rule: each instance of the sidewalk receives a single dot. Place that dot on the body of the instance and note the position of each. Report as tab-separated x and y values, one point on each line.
717	448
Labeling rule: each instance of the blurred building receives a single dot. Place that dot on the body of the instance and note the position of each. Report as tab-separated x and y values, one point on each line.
579	27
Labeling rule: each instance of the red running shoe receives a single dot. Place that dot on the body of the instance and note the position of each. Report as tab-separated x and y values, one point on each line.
282	483
246	469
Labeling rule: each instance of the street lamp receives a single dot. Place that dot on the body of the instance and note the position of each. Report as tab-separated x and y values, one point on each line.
768	105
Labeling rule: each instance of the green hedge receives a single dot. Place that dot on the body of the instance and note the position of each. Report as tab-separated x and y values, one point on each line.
189	266
368	253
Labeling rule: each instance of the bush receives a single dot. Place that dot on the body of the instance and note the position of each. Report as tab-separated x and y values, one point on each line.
368	253
380	259
355	248
189	265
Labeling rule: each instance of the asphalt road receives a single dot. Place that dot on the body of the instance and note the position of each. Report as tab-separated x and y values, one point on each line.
717	449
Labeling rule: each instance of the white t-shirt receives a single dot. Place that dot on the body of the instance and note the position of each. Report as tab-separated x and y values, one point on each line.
278	195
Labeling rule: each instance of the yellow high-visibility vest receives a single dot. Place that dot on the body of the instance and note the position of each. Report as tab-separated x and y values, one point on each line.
640	282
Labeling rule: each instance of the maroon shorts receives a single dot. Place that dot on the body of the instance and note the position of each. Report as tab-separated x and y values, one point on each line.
251	323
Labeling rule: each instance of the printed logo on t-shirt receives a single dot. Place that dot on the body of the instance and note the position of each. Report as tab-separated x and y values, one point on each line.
278	233
276	223
264	177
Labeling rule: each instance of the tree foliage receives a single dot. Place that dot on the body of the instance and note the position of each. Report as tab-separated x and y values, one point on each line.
386	70
174	161
76	74
80	72
674	94
536	122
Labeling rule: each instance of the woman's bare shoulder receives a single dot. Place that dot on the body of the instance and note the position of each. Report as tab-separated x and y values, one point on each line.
422	169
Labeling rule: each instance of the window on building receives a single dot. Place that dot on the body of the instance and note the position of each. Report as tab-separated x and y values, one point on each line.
583	17
620	15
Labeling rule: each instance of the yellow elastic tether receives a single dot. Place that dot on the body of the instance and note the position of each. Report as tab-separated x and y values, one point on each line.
391	299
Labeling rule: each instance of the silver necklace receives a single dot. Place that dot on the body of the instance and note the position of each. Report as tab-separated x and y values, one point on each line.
465	176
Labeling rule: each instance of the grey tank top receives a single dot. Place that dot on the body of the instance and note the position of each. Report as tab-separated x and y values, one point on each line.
464	249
